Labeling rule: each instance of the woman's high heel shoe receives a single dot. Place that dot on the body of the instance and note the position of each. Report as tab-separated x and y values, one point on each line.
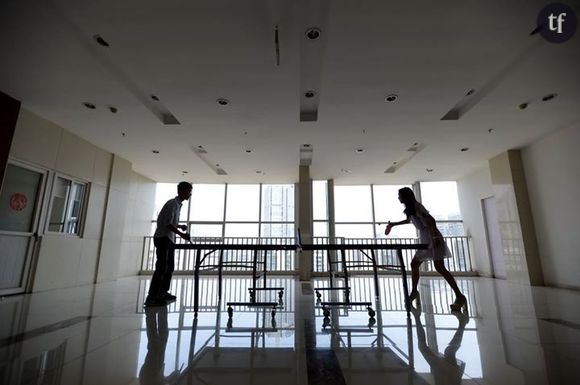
459	304
414	296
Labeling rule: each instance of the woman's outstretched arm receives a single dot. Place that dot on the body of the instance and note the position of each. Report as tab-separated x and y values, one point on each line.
390	225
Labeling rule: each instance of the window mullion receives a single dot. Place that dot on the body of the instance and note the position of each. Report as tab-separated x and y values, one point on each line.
373	210
225	212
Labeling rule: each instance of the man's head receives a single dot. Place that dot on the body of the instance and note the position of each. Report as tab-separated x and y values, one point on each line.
184	190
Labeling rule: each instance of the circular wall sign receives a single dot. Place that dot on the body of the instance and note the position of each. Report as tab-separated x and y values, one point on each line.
18	201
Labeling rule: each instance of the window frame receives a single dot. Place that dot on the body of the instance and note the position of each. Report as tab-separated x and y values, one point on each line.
82	210
224	222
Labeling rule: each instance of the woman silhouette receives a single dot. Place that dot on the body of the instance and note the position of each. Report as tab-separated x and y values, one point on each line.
436	251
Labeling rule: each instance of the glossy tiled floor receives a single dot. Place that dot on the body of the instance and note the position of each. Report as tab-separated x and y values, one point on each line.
101	335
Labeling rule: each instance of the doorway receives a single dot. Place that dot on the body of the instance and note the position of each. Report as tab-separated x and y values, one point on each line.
20	207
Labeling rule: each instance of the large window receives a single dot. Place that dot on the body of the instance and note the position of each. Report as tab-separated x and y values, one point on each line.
235	210
66	208
440	198
363	211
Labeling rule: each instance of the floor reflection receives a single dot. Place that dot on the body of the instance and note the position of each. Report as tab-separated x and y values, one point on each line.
152	370
445	368
102	335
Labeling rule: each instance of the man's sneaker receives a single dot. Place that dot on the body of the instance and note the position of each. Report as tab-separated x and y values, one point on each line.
154	301
168	297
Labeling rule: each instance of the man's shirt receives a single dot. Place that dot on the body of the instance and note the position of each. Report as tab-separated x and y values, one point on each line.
169	214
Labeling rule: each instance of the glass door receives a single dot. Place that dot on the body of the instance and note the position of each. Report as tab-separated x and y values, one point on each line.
20	202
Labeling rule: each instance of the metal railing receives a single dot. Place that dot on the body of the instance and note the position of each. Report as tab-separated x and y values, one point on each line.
276	260
459	247
285	260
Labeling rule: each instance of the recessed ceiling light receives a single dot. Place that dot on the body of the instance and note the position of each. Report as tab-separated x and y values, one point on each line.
123	134
184	172
360	150
155	151
222	101
465	149
470	92
154	97
549	97
391	97
523	106
429	169
490	130
309	94
113	109
346	170
249	151
306	145
90	106
313	33
258	171
100	40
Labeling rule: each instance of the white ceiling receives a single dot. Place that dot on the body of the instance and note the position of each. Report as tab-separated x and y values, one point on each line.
190	53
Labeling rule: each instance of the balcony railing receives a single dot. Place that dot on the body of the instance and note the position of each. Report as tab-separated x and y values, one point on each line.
284	261
459	247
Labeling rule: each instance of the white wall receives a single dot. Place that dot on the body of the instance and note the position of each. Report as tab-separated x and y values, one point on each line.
471	189
138	223
64	260
552	168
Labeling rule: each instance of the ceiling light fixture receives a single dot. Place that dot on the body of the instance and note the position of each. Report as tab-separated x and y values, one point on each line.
429	169
248	151
465	149
309	94
360	150
222	101
490	130
155	151
523	106
346	170
154	97
113	109
470	92
258	171
391	97
313	33
90	106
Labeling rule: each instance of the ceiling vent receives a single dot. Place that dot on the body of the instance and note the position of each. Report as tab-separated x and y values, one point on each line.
199	149
416	147
411	152
306	152
201	153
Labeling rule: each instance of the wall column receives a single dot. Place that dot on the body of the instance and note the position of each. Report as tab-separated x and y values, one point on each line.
305	220
516	223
